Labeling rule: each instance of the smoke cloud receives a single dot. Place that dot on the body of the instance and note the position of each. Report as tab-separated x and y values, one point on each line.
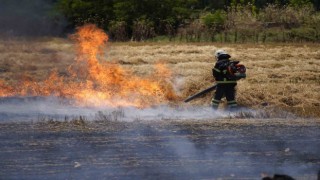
30	18
31	108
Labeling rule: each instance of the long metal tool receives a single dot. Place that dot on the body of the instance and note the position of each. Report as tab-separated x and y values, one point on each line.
211	88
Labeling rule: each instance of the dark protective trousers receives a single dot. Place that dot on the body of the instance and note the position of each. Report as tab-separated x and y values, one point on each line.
229	91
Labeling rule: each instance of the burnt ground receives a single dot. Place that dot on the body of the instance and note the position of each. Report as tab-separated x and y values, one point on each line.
202	149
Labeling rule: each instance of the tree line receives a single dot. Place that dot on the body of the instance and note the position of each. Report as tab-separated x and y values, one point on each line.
198	20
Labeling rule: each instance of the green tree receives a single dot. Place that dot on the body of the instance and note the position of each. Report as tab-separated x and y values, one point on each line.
83	11
214	22
300	3
123	19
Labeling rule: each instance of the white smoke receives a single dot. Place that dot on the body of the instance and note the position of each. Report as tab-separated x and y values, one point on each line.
31	108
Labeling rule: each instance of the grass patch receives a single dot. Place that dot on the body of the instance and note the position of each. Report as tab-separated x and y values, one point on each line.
284	76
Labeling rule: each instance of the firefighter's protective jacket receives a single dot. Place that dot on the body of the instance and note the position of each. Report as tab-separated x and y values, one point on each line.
221	74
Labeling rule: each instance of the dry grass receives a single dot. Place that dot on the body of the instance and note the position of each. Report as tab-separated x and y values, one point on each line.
279	75
285	76
33	57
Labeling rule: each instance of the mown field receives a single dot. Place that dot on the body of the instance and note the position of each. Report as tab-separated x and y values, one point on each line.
280	76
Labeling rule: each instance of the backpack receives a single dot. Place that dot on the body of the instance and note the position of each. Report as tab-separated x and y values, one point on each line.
236	70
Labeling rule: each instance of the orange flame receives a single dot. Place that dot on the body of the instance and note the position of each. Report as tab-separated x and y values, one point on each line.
5	90
96	84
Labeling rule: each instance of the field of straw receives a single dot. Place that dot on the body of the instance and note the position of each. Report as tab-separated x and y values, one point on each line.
279	76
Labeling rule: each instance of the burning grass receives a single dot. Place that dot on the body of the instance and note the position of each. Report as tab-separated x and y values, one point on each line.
94	83
280	76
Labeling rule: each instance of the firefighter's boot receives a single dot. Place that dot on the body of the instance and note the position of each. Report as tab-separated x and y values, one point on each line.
215	103
232	105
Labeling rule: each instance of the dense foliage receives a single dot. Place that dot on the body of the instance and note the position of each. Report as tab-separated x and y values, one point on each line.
198	20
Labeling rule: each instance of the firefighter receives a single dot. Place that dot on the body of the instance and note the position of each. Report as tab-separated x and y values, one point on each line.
226	79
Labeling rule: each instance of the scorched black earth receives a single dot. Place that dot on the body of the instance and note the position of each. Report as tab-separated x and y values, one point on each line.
211	149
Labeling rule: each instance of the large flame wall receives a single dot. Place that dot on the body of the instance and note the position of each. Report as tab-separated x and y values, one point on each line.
92	83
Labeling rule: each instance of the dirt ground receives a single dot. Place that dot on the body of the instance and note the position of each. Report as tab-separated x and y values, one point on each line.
211	149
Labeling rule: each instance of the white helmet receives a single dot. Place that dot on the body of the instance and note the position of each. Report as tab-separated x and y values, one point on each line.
220	52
